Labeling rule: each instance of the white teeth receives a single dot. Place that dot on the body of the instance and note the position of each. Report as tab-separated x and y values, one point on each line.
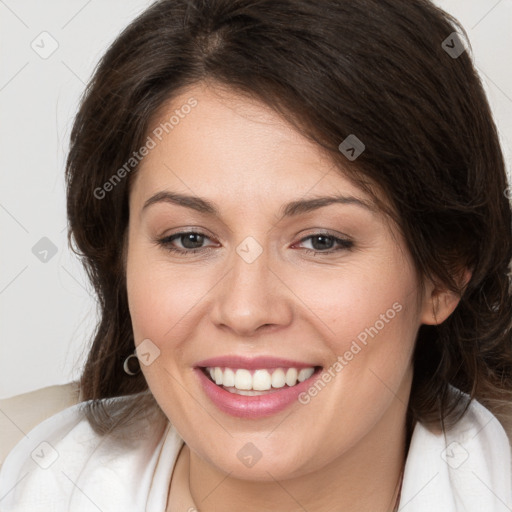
244	392
305	373
243	379
228	378
291	376
278	378
259	380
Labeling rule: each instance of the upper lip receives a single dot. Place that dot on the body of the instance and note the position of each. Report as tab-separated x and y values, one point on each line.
252	363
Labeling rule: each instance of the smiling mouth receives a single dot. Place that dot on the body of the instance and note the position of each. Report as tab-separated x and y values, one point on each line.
242	381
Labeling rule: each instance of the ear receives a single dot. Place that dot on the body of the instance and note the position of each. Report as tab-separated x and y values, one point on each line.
438	303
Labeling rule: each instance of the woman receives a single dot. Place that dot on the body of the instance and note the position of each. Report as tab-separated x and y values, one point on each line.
295	213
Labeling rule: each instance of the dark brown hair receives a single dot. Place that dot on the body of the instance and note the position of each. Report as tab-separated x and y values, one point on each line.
373	68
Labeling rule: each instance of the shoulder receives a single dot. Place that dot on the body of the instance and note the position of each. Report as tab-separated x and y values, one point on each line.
480	421
21	413
63	464
480	435
466	467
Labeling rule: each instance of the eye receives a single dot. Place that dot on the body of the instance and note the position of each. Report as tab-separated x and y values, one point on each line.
191	242
325	243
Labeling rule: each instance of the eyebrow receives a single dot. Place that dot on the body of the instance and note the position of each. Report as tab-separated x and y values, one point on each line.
291	209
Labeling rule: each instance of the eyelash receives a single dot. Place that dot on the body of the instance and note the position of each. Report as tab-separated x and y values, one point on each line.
344	244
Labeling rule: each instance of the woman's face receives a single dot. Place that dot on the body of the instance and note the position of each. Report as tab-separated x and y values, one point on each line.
329	286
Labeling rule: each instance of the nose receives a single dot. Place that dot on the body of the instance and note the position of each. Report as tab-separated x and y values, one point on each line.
252	298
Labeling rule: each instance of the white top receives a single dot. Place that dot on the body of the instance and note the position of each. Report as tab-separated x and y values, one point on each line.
64	466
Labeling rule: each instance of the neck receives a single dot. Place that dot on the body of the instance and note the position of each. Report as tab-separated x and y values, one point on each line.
367	477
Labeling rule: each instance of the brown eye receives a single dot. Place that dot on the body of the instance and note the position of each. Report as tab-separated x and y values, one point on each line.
323	243
190	241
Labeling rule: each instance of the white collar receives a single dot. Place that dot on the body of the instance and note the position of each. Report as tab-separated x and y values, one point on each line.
465	469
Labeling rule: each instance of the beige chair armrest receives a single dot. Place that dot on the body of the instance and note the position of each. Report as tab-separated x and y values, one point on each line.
21	413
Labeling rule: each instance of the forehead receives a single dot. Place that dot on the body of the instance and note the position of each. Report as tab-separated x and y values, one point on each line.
232	147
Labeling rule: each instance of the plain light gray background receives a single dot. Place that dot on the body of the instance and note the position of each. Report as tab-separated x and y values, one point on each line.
47	310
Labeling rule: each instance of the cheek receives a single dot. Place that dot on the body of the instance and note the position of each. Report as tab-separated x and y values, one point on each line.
162	298
157	299
368	318
346	304
366	301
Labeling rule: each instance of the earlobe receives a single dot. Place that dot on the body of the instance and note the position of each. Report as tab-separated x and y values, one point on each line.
441	303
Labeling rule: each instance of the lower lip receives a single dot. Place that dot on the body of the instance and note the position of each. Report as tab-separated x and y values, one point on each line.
253	406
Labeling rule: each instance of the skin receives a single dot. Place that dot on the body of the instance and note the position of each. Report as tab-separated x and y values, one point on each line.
345	449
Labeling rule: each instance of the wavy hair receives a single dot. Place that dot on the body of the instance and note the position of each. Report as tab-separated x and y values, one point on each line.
374	68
